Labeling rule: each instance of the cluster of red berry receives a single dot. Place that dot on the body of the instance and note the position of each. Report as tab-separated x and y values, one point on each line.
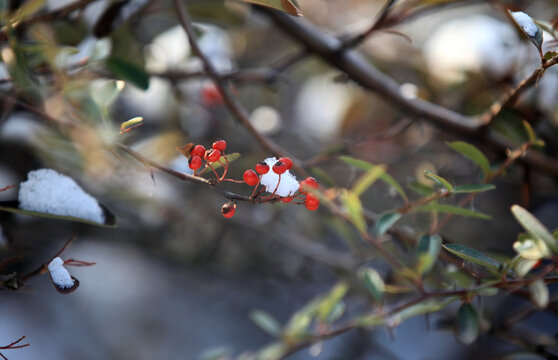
198	154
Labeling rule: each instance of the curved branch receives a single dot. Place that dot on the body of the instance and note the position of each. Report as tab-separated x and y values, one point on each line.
365	74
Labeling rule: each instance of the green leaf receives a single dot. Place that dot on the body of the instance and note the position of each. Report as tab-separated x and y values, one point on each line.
266	322
128	72
373	283
385	177
549	55
385	222
472	188
354	210
110	220
472	255
472	153
274	351
428	249
104	93
455	210
216	165
367	179
26	10
331	300
467	329
128	125
425	307
534	227
530	132
539	293
439	180
420	188
287	6
322	176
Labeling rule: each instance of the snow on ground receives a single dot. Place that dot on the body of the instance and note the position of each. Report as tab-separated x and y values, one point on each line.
50	192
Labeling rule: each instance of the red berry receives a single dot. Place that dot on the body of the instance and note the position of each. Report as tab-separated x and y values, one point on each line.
251	178
307	184
220	145
212	155
228	210
198	150
279	167
195	162
210	95
262	168
287	161
311	202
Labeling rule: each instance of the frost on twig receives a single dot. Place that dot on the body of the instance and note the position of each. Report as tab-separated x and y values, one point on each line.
61	278
49	192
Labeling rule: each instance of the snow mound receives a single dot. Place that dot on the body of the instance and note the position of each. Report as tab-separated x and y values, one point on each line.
59	275
288	185
49	192
526	23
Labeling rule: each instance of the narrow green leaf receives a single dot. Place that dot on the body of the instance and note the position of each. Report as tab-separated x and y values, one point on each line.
488	291
439	180
274	351
472	153
337	311
354	210
539	293
473	188
472	255
128	125
366	166
266	322
428	249
128	72
216	165
449	209
467	327
287	6
26	10
367	179
373	283
385	222
534	227
329	303
425	307
530	132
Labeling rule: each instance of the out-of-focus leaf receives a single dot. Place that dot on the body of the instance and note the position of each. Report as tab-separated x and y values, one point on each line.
439	180
539	293
528	27
331	300
488	291
420	188
366	166
472	153
106	92
549	55
472	255
273	351
110	220
128	125
337	311
298	324
428	249
287	6
367	179
473	188
385	222
26	10
522	266
455	210
530	132
373	283
531	249
425	307
534	227
266	322
467	327
354	210
369	320
128	72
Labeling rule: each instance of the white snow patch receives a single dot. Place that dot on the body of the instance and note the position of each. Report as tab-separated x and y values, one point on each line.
288	185
59	275
50	192
526	23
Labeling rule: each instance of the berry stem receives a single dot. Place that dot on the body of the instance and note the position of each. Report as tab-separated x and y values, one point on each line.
215	172
225	166
255	188
277	186
234	181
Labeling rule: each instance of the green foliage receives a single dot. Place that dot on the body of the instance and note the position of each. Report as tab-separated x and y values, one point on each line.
474	256
474	154
385	222
373	283
128	71
428	249
467	327
455	210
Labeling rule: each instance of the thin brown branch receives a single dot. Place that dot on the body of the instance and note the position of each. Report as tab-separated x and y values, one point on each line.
229	98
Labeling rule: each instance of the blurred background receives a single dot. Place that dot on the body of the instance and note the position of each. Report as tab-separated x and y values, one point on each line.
174	279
